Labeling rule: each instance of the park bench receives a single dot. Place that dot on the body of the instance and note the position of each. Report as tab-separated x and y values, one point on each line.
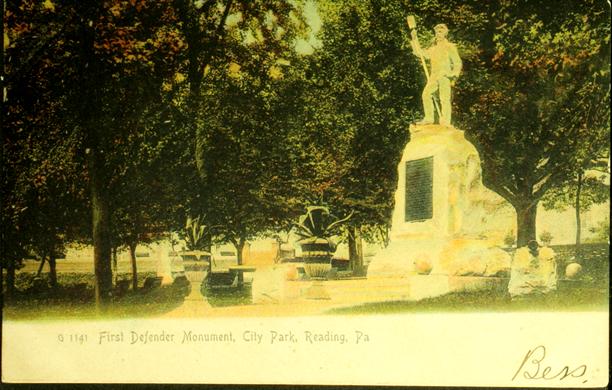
238	271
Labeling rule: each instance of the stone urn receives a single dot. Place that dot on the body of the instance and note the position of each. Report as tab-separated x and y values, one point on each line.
197	265
315	227
317	254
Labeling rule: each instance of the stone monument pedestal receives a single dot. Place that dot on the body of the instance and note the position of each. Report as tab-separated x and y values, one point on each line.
445	221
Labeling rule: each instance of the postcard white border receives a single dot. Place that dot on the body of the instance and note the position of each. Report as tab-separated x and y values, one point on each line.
479	349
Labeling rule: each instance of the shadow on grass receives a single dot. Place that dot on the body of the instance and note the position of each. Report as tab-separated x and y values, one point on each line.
566	298
75	301
131	305
238	296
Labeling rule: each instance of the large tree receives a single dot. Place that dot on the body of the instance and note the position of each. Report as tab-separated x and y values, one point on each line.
218	33
43	203
108	66
246	172
362	94
232	66
99	61
538	101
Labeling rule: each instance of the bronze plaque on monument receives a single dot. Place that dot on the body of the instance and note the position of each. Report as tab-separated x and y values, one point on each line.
419	189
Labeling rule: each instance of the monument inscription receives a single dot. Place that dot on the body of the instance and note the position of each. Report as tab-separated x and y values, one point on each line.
419	189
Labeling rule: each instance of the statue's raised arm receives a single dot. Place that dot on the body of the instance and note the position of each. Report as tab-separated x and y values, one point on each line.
416	46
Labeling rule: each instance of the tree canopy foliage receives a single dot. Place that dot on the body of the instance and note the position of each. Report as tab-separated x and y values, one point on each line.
539	104
122	119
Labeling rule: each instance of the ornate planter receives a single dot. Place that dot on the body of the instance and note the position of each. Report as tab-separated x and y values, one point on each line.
317	255
315	227
197	265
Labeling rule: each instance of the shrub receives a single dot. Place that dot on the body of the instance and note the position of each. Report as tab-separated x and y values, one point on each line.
601	233
546	238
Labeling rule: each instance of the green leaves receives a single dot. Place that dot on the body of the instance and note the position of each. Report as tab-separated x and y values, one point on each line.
359	99
535	106
318	223
206	108
195	233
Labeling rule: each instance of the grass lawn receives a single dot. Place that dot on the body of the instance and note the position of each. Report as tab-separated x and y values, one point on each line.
591	293
74	299
574	298
132	305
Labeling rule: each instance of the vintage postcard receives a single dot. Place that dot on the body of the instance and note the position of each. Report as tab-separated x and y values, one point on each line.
352	192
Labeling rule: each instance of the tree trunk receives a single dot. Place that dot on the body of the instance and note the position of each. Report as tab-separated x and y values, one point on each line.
199	56
525	223
114	259
279	246
10	277
239	247
352	248
134	267
578	224
355	250
359	247
101	237
40	267
89	111
52	271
